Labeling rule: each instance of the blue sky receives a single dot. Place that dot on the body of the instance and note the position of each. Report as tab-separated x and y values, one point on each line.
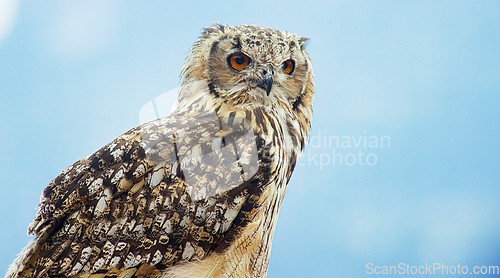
74	75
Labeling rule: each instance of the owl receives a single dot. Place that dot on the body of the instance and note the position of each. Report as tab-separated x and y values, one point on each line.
194	194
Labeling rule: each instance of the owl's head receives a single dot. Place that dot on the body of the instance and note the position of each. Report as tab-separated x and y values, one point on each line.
250	64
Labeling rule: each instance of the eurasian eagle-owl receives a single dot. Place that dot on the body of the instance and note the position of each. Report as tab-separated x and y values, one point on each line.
194	194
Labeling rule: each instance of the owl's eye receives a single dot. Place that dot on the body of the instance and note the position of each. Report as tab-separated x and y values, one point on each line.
238	61
288	66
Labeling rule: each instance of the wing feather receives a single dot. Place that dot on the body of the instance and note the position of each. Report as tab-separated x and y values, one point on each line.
161	193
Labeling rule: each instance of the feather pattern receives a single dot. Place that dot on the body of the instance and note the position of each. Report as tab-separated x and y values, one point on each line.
195	194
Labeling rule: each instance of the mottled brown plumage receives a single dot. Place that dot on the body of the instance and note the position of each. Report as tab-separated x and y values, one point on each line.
195	194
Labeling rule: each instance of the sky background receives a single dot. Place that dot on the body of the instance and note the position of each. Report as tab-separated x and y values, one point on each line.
425	74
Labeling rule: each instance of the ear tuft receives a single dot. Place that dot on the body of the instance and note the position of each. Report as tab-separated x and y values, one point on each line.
215	28
303	41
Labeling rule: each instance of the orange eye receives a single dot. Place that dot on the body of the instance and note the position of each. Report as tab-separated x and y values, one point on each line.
288	66
238	61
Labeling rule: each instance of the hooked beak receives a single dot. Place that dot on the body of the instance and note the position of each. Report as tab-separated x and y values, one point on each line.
267	80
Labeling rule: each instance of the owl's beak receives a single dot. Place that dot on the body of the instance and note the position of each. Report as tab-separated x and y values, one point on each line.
266	82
